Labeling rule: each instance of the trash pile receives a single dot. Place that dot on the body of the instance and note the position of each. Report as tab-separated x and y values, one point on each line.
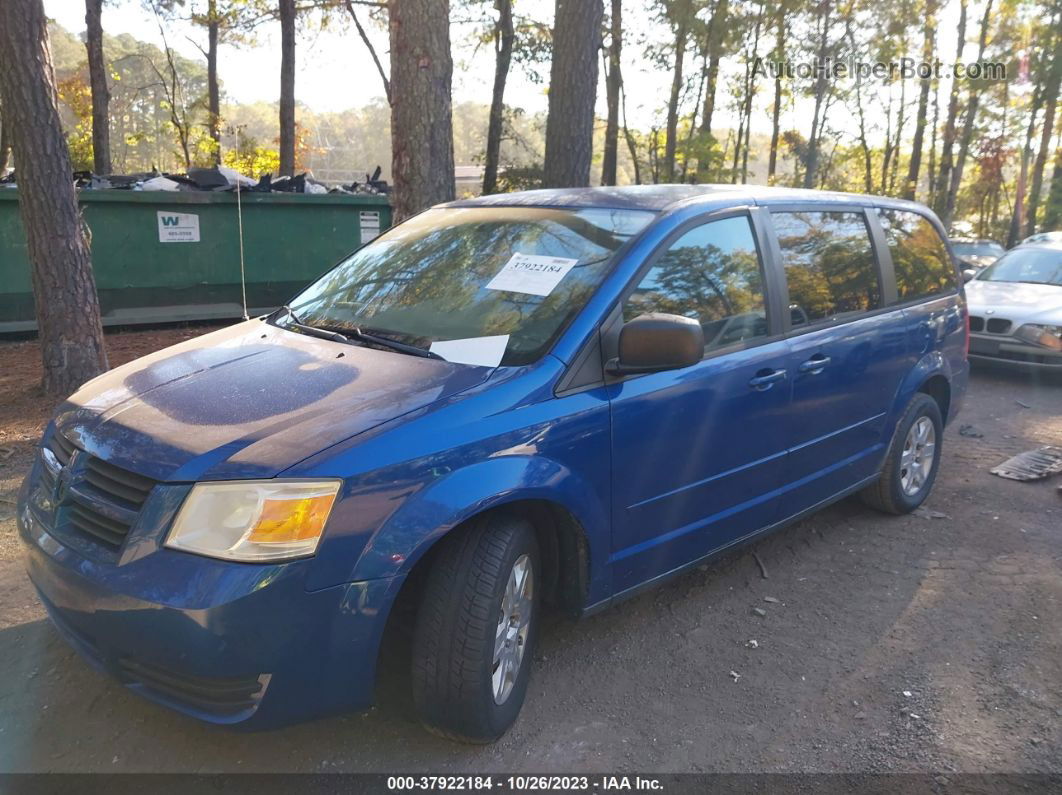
216	178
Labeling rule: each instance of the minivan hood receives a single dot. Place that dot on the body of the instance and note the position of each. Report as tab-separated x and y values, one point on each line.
1016	301
249	401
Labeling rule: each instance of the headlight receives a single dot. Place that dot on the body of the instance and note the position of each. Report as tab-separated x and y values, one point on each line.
254	520
1048	336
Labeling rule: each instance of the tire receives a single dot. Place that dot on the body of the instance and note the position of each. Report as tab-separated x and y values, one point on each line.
462	609
902	487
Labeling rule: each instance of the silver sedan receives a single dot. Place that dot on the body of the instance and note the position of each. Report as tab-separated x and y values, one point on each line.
1016	308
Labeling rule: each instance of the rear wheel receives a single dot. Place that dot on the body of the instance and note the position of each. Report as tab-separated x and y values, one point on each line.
914	456
476	629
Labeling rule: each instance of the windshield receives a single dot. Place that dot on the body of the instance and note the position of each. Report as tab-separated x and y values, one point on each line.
1031	265
512	275
978	249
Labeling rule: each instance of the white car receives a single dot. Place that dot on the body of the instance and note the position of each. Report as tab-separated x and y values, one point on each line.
1043	237
1016	308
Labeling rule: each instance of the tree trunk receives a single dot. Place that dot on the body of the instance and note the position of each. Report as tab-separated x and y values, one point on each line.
101	95
613	81
1051	91
750	92
213	90
422	131
776	111
1053	208
629	137
931	172
684	12
1017	218
5	142
572	91
503	43
864	145
821	86
717	27
955	174
287	87
947	142
928	42
901	118
64	291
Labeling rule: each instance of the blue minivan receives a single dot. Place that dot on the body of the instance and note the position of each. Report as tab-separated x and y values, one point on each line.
551	398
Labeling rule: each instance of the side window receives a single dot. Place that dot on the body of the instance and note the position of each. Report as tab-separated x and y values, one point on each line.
711	274
829	264
919	256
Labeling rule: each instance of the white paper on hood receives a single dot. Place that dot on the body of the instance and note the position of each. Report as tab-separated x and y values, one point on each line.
531	274
483	351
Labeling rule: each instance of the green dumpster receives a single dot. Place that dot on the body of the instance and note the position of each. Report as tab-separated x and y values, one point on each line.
162	257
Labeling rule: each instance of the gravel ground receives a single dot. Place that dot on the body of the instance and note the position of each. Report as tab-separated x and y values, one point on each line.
930	642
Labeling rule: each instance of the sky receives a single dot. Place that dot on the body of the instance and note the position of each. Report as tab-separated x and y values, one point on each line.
334	70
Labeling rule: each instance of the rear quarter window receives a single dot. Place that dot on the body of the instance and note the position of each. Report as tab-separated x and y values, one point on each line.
919	256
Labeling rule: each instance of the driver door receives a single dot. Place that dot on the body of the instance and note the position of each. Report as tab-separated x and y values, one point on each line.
698	452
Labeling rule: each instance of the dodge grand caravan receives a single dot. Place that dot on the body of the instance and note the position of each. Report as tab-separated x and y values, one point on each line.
547	398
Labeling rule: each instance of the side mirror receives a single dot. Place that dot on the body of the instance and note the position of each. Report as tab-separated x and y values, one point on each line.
658	341
968	274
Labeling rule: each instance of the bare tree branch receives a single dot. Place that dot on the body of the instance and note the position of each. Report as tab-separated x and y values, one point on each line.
372	50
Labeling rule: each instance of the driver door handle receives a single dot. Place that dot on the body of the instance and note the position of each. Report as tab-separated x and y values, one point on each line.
765	379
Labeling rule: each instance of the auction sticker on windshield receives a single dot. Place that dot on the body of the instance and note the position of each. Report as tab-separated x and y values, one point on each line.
531	274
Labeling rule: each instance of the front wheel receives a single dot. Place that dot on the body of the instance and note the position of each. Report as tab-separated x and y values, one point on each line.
913	460
475	630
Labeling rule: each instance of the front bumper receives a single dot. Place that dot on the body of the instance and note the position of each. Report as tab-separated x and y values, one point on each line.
1014	352
240	644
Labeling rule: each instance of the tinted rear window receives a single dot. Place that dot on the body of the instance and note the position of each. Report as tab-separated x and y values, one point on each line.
829	264
919	256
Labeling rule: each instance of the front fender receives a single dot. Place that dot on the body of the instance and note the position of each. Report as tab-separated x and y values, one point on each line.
427	516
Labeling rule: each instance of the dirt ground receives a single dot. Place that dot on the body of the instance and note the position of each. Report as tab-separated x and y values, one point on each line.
931	642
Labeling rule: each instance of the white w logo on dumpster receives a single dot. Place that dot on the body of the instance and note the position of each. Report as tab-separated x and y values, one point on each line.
178	227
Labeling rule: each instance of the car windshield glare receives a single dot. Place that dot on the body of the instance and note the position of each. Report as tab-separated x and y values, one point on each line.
462	273
1030	265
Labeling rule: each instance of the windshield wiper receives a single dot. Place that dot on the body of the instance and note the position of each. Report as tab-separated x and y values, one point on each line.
353	333
313	331
395	345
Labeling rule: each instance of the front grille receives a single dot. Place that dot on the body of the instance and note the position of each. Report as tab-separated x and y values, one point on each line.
103	500
107	531
221	697
62	448
118	483
977	323
997	325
